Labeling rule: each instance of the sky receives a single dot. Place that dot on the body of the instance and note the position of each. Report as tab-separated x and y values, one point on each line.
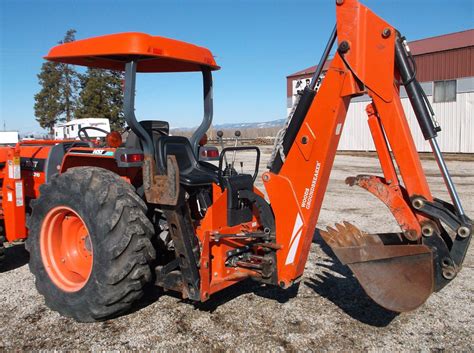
257	43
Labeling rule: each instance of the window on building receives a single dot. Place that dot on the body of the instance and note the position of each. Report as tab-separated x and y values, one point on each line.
444	91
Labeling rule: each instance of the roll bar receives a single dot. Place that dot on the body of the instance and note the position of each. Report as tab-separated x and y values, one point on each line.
137	128
129	109
208	110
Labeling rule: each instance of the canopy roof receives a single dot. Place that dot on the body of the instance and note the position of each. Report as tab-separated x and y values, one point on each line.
153	53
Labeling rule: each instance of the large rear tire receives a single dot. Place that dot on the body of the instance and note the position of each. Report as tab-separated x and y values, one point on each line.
89	244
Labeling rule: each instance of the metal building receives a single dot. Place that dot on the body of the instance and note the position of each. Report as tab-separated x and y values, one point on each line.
445	69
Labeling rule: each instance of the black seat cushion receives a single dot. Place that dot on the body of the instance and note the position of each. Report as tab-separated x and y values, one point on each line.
155	128
191	172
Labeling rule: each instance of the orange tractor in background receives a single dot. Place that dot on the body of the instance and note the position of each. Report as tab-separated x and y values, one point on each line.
102	222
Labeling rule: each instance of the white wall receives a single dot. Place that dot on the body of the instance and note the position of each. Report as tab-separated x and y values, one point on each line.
455	118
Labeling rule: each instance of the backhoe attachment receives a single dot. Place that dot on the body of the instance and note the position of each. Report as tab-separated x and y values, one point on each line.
398	271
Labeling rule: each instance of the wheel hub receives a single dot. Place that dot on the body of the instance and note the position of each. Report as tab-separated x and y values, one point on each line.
66	249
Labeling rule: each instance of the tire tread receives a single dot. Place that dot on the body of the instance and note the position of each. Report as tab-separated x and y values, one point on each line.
122	268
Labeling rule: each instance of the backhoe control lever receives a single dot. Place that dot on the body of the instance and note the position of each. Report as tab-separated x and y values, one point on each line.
237	136
220	137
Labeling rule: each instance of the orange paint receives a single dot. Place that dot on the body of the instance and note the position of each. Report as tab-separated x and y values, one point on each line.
295	193
163	54
66	249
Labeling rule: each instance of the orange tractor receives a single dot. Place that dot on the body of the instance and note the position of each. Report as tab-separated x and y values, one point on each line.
102	222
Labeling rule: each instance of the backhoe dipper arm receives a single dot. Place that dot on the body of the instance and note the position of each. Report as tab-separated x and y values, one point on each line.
296	183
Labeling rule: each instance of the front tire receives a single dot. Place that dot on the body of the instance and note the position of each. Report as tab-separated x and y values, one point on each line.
89	244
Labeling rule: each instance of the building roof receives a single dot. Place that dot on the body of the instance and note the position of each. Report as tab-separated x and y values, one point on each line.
444	42
429	45
153	53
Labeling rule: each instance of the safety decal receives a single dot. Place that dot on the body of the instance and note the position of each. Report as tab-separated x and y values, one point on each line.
295	239
19	193
14	170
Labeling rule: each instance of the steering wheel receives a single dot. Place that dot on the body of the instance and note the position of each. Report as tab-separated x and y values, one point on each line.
84	136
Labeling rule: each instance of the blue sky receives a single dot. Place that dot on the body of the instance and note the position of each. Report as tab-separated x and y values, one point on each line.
257	43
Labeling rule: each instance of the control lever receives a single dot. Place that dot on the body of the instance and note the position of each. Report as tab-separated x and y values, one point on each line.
237	136
220	134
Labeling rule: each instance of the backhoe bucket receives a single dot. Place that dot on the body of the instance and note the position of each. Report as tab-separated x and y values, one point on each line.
396	275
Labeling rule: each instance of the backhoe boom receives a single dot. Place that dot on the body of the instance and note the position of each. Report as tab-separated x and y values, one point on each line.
371	59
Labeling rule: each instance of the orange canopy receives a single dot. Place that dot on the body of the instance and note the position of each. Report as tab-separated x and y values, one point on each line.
153	53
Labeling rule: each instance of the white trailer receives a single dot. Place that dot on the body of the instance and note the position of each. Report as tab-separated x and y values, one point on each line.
69	130
9	137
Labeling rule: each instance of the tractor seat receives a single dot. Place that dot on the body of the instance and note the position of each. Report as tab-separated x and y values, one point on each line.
155	128
191	171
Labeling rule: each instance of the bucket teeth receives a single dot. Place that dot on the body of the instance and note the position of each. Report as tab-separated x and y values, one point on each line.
348	234
329	235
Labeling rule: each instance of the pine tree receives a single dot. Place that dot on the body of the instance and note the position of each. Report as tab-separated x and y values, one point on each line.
115	83
57	98
48	107
69	80
101	96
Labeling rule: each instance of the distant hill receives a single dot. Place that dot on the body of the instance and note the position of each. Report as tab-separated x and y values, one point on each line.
256	125
233	126
265	129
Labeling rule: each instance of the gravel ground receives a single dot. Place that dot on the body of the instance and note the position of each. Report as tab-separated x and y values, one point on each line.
329	311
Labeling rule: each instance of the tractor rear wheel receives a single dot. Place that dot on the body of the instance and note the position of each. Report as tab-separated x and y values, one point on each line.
89	244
